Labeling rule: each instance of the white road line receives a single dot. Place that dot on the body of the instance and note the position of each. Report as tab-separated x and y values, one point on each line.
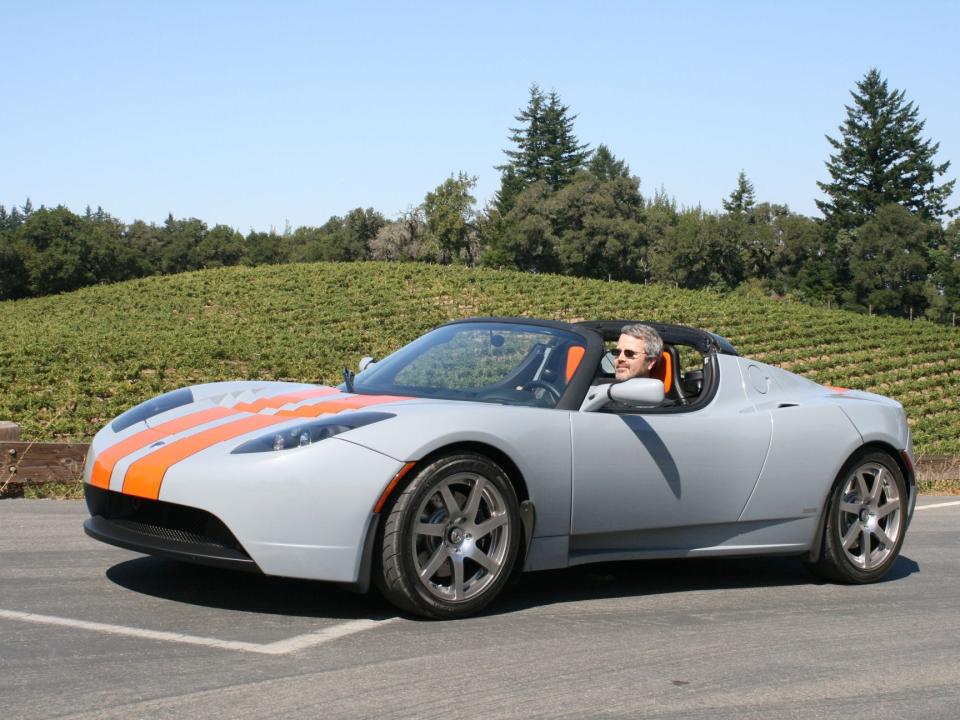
281	647
936	505
300	642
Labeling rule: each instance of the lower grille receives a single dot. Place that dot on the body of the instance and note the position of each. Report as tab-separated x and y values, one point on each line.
165	533
161	528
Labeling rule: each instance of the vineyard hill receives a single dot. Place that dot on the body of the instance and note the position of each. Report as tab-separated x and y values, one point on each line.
69	363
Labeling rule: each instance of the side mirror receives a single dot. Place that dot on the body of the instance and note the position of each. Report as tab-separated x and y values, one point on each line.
636	391
366	362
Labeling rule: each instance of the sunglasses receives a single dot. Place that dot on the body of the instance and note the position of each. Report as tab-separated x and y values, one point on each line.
628	354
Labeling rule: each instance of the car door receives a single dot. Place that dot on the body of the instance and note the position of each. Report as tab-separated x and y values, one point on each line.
636	472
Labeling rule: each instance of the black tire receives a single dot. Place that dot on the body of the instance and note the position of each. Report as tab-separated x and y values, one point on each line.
450	540
866	520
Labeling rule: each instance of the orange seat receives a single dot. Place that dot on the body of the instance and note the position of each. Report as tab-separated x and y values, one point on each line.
663	371
574	356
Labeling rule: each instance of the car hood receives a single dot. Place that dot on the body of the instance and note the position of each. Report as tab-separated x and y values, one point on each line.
174	428
280	399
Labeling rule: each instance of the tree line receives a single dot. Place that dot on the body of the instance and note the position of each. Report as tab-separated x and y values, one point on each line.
883	245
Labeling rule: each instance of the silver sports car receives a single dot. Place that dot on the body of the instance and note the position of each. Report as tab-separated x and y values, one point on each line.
491	446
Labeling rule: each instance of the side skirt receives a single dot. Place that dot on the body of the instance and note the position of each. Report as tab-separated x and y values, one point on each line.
787	536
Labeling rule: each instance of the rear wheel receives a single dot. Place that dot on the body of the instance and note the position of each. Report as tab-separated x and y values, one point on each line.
866	520
450	540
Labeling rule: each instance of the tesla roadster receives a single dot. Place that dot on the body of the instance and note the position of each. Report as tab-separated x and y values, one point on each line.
493	446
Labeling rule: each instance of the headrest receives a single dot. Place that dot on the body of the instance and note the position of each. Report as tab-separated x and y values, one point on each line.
663	370
574	356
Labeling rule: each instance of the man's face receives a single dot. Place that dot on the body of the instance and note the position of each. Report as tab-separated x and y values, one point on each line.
631	360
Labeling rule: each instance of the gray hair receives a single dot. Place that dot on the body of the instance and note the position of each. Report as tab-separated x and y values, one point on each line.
652	342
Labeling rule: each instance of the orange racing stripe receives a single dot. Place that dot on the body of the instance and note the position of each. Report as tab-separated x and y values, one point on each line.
279	400
334	406
107	460
145	475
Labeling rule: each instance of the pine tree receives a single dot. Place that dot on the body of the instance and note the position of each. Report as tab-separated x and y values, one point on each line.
880	159
564	155
511	185
742	199
527	160
605	166
546	150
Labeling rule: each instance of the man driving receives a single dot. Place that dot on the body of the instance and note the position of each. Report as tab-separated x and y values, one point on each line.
638	350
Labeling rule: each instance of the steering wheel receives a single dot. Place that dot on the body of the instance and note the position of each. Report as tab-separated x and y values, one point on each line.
551	390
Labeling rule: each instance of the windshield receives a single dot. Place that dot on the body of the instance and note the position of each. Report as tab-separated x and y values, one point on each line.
506	363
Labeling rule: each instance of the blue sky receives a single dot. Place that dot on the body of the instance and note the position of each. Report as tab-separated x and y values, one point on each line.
259	114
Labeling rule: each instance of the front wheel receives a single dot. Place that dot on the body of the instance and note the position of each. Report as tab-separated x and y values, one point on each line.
451	539
866	520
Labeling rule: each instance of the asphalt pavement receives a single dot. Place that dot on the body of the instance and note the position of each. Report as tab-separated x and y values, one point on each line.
92	631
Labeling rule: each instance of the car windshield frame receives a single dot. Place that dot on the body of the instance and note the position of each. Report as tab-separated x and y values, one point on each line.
529	363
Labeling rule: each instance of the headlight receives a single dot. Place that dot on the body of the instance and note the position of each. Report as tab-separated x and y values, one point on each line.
146	410
310	432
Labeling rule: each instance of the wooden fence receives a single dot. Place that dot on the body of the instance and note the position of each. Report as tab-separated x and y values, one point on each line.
37	463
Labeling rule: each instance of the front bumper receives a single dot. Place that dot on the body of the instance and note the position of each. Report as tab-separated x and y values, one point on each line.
302	513
160	528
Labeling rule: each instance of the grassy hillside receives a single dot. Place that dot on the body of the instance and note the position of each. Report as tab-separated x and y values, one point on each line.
70	363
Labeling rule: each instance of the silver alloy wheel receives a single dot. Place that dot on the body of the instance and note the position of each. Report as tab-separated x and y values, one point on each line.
461	537
869	518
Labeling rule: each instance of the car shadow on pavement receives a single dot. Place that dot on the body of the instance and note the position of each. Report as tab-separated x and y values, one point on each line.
231	590
661	577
